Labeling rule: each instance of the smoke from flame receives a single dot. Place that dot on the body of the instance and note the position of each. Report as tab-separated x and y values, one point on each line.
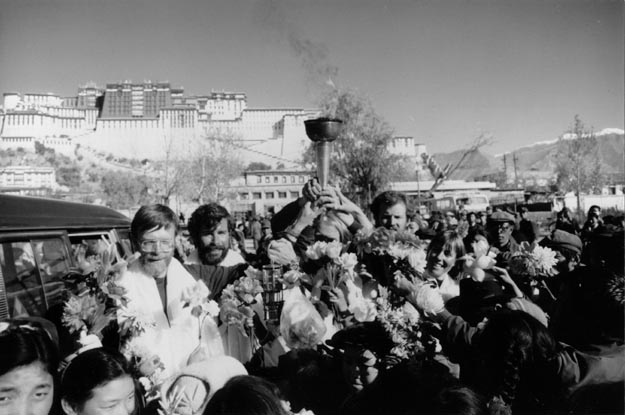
320	73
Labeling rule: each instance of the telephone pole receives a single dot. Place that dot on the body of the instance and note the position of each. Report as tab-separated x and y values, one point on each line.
516	177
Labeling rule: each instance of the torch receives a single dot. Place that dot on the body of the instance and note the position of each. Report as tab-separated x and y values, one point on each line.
323	131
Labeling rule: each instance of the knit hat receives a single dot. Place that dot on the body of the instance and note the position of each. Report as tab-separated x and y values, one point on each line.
530	308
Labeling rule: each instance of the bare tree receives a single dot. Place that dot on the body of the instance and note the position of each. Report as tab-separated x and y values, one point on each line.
479	142
171	172
212	165
577	162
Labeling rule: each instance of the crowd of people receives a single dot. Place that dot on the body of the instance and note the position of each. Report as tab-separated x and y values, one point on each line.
334	311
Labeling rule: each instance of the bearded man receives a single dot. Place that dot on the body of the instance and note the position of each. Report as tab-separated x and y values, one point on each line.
210	228
155	284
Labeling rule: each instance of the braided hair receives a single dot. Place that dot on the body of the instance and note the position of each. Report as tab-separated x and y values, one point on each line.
515	349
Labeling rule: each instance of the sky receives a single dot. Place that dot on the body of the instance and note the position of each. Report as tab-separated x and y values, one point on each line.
441	71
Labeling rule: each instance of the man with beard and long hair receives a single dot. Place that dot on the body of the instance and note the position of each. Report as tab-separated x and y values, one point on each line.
210	229
155	284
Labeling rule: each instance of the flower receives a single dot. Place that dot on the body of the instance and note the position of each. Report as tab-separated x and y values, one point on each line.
348	261
291	278
533	261
429	299
133	320
333	249
195	296
545	259
211	308
316	251
417	259
362	308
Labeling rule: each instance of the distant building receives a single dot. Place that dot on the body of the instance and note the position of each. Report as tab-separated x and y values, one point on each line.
148	119
27	180
267	191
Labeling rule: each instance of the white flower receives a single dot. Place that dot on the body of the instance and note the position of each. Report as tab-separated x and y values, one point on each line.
211	308
544	258
316	250
333	249
254	273
397	250
348	261
429	299
417	259
195	294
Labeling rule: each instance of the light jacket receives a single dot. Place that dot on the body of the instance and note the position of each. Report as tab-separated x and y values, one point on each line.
177	333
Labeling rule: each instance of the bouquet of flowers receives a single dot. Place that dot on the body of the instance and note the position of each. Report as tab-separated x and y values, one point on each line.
146	365
236	301
412	336
327	255
399	251
96	298
206	311
532	264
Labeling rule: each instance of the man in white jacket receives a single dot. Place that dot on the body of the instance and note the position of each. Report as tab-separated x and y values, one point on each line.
155	284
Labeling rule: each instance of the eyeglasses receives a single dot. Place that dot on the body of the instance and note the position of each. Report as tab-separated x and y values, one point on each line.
503	228
153	245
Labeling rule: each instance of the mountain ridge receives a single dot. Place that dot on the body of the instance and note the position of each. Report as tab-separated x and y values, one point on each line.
535	161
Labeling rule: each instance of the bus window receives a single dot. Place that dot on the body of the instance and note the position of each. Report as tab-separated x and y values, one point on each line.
22	283
54	263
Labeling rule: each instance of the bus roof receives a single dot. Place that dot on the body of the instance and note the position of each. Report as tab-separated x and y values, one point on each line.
19	213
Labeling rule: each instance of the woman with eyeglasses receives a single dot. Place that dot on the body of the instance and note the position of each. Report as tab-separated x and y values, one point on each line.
28	362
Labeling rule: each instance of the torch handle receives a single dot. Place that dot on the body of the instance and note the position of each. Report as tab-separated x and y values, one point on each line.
323	162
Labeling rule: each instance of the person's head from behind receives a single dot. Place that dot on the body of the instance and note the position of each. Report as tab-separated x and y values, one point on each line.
246	395
512	345
97	382
210	226
28	363
443	254
418	387
390	210
153	232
